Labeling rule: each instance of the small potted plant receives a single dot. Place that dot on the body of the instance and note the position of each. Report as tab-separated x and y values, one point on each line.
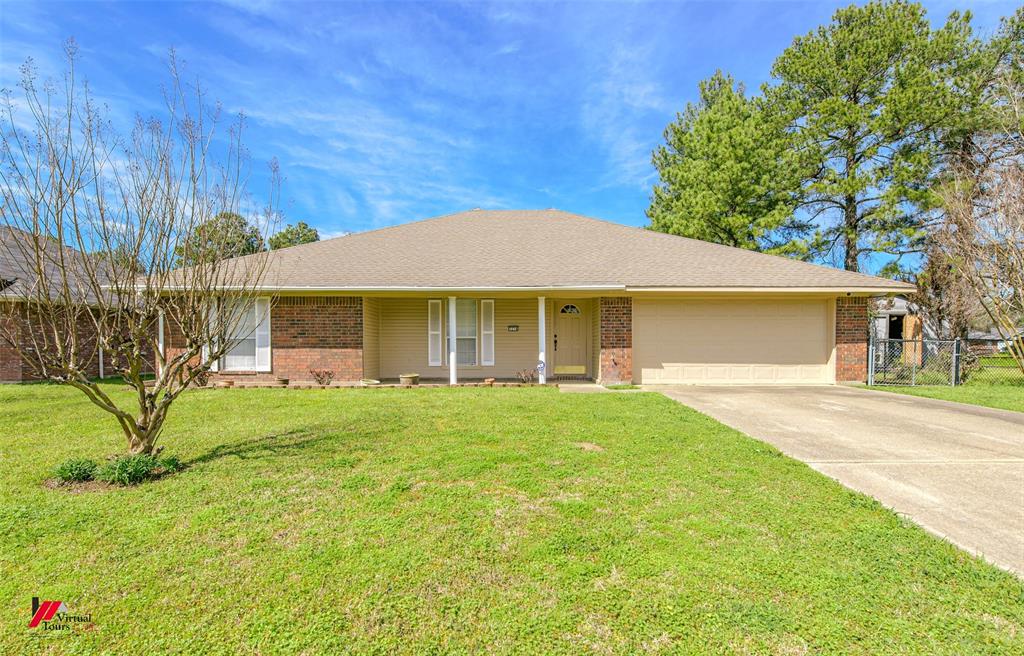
409	380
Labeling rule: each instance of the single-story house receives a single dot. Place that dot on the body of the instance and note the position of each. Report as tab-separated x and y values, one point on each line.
486	294
19	326
896	318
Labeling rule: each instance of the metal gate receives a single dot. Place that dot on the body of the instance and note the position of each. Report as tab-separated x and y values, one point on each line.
943	362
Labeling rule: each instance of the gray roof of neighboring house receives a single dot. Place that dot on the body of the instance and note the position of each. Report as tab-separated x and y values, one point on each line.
542	249
17	266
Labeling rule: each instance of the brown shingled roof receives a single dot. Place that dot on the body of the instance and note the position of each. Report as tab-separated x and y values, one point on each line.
543	249
18	277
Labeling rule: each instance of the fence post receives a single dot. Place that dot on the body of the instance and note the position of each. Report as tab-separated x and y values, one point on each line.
871	360
913	365
954	379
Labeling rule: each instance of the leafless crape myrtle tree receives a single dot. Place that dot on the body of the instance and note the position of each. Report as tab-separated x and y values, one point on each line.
983	229
101	230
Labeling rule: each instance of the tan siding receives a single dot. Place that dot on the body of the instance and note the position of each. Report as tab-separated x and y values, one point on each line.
403	338
595	337
371	337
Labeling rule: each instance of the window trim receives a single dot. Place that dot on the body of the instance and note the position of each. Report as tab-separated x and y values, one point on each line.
221	363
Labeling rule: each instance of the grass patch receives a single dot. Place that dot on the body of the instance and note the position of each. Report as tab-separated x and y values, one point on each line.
622	386
468	520
1006	397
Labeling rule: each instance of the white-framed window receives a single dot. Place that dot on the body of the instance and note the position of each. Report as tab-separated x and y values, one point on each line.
435	333
487	332
466	332
248	338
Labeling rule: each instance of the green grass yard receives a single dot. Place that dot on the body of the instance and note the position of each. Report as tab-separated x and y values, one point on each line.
468	520
994	381
1006	397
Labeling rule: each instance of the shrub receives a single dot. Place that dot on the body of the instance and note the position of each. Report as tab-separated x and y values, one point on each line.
171	464
127	470
76	470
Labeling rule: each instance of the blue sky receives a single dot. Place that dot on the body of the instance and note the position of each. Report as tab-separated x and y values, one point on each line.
381	113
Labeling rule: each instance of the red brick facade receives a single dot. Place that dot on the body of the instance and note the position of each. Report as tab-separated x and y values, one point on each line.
616	337
306	332
851	340
17	324
10	361
311	332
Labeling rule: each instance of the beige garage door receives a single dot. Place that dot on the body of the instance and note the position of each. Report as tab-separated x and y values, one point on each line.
727	341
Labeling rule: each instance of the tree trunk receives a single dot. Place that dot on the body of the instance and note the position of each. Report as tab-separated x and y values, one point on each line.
143	434
851	234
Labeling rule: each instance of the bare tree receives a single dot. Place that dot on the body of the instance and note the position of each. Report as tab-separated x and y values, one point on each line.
983	231
947	304
94	221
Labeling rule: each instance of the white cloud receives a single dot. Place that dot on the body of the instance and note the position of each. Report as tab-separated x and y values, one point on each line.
622	89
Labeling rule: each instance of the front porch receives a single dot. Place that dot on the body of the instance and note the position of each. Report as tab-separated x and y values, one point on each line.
451	339
456	339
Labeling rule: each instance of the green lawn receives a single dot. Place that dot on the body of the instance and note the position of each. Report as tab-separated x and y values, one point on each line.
468	520
1007	397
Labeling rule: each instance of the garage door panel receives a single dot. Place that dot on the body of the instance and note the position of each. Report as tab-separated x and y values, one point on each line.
721	341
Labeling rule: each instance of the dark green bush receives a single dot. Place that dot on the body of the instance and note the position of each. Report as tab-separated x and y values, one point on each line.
127	470
76	470
171	464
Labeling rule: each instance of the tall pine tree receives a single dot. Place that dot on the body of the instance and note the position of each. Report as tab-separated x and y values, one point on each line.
866	96
837	160
727	174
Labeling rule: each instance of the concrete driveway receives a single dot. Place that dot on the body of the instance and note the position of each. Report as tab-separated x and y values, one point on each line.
957	470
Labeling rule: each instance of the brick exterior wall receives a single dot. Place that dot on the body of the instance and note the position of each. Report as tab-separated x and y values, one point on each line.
306	332
10	361
851	340
17	323
616	337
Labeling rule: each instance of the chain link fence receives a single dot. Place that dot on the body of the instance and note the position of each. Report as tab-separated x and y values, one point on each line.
944	362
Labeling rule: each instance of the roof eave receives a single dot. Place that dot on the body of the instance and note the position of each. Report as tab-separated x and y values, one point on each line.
776	290
539	289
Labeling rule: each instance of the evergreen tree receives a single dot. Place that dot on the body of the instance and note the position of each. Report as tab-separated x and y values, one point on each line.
865	97
727	174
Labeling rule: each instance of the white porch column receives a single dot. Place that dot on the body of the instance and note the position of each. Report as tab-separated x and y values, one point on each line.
542	339
453	377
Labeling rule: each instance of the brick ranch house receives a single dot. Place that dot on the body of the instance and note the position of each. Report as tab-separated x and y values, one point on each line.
486	294
16	320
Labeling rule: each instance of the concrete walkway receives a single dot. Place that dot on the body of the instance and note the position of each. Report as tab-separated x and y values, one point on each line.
583	388
957	470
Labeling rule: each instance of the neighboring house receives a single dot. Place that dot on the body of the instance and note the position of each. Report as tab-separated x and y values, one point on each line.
486	294
897	318
17	283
